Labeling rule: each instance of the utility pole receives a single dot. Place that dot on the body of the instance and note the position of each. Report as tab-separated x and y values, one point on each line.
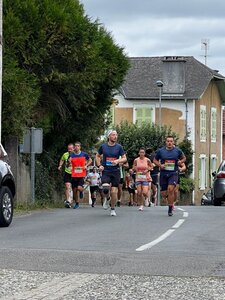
1	41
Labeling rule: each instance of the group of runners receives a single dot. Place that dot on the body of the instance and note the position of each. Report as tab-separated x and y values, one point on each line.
107	174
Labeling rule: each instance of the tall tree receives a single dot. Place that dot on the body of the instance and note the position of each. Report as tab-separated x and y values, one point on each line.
60	68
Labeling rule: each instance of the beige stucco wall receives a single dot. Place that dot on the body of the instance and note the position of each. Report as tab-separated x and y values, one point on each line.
210	99
170	117
123	114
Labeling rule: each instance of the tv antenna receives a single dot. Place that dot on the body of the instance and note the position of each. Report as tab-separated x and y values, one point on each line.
205	47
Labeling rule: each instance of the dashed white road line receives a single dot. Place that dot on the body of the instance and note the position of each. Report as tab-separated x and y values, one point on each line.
178	224
155	242
166	234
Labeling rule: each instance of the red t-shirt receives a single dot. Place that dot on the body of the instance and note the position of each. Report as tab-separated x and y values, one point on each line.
78	166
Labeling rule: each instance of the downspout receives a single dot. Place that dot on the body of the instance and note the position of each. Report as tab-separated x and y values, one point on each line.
186	136
186	118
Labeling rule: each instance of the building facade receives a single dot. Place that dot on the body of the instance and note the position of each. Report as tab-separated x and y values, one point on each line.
190	101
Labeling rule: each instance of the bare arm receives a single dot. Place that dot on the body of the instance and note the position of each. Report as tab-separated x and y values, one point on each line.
135	165
89	162
61	162
182	160
150	165
158	164
98	159
123	160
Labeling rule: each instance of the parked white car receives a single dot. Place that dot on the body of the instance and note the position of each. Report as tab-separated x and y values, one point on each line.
7	190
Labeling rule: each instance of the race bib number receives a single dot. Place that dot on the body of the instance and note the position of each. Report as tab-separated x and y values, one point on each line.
140	176
109	161
78	170
169	165
94	180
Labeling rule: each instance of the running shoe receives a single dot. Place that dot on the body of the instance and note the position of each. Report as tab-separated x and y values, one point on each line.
141	208
106	203
118	203
113	213
77	205
67	204
170	210
146	202
81	195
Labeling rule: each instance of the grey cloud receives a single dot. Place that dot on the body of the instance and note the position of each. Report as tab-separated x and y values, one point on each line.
128	9
166	27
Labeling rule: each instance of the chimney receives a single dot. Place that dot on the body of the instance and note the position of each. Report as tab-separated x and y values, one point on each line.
174	75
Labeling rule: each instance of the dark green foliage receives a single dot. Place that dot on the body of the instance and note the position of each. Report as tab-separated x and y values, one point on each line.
132	137
60	69
187	183
74	65
186	147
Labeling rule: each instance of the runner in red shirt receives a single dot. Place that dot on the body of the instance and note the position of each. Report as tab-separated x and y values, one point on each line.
79	160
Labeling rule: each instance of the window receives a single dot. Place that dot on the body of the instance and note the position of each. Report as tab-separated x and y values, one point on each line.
144	114
202	172
213	124
202	123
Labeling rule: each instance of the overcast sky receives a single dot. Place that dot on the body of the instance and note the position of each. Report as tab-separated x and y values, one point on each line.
165	27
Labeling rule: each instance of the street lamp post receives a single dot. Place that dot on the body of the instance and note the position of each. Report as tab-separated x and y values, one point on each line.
159	83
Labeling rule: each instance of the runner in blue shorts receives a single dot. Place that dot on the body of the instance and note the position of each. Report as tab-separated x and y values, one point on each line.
168	159
108	158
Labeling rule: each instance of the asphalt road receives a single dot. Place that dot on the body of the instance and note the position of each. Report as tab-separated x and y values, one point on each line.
87	254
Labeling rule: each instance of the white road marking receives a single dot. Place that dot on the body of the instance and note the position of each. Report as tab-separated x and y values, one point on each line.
155	242
166	234
185	214
178	224
180	209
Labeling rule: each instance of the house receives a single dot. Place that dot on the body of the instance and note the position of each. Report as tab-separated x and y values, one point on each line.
190	101
223	153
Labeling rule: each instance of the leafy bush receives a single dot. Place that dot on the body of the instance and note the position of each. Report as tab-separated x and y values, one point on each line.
186	185
133	136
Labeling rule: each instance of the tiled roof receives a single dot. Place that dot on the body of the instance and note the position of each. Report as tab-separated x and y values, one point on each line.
140	82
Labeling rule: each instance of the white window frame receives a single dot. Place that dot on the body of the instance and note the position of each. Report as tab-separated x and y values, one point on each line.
202	130
140	106
213	124
202	172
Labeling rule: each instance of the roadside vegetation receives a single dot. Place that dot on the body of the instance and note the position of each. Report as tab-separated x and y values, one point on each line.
60	68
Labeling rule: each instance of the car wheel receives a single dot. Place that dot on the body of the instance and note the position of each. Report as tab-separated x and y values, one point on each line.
217	202
6	207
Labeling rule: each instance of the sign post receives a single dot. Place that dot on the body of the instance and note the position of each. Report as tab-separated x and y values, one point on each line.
33	143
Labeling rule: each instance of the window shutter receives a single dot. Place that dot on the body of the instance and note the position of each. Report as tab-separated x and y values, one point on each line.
144	115
199	173
206	171
139	116
213	124
202	123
